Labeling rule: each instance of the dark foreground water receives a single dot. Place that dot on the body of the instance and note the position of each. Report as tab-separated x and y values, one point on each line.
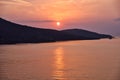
74	60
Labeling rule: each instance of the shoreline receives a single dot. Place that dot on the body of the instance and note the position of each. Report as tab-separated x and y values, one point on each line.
50	41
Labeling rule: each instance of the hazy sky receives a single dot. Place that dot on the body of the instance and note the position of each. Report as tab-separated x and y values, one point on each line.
96	15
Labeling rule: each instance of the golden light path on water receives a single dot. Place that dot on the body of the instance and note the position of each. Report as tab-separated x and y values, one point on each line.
59	65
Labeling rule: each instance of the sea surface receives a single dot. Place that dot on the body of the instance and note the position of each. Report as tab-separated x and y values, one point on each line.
71	60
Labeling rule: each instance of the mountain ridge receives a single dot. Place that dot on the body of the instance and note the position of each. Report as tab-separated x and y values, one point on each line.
12	33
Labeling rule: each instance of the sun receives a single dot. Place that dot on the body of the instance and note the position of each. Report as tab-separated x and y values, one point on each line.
58	23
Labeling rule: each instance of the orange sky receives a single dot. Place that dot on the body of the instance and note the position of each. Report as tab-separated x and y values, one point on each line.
92	14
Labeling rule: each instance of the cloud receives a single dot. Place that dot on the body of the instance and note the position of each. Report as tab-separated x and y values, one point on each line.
15	2
118	19
40	21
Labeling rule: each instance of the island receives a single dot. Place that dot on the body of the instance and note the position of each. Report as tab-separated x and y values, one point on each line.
13	33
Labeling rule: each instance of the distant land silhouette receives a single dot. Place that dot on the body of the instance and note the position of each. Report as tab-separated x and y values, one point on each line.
12	33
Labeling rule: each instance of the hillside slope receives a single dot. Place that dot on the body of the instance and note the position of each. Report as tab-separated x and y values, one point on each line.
11	33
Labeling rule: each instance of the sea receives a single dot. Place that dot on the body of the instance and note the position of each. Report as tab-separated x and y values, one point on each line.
67	60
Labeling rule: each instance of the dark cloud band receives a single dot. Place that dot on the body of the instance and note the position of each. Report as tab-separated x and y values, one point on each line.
42	21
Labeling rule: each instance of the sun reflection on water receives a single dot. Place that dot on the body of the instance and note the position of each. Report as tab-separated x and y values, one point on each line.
58	73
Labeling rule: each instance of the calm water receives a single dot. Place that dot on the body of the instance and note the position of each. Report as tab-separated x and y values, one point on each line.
74	60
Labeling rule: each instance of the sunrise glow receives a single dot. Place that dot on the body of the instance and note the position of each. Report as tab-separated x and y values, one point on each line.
63	14
58	23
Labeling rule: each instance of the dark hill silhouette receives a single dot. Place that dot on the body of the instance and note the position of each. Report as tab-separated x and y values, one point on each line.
12	33
85	33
